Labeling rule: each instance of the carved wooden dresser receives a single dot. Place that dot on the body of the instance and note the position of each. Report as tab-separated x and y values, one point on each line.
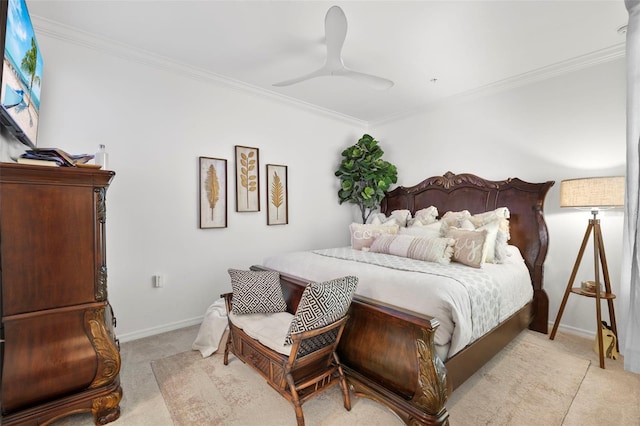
59	352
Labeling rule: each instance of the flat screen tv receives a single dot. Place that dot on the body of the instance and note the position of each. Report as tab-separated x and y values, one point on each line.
21	72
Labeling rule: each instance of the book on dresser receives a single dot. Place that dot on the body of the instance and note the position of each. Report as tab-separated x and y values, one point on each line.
38	162
55	155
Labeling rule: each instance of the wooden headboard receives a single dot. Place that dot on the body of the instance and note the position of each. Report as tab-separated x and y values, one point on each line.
524	200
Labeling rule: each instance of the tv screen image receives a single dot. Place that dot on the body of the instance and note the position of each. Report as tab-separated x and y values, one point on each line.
21	73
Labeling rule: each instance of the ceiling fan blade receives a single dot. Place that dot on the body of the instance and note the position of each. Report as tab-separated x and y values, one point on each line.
373	81
335	27
317	73
335	32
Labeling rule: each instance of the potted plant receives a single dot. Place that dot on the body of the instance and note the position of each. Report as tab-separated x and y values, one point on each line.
365	176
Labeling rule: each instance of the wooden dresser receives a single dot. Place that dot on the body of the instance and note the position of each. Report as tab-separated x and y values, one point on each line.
59	352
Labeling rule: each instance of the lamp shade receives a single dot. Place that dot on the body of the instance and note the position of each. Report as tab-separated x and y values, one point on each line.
592	192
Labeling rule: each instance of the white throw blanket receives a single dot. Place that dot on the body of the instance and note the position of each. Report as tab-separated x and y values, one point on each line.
212	329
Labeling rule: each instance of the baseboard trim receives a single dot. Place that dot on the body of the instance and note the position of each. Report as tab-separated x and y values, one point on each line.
135	335
574	330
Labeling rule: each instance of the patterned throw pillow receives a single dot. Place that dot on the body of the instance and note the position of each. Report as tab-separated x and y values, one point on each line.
322	304
427	249
256	292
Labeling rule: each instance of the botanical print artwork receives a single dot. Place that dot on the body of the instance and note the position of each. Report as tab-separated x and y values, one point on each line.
213	193
247	180
277	197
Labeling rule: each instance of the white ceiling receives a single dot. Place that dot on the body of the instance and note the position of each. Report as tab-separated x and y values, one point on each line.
468	46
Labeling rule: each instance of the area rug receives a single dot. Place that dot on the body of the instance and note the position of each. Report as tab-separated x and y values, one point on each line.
528	382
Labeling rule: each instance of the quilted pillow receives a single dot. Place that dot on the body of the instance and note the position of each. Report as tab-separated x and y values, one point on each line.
470	248
362	235
428	249
256	292
322	304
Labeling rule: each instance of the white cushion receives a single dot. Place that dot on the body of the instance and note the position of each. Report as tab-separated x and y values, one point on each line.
268	329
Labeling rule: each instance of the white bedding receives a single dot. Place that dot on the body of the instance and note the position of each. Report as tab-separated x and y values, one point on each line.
439	296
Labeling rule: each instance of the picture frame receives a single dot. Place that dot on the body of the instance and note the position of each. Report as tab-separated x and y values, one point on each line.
277	194
247	179
212	193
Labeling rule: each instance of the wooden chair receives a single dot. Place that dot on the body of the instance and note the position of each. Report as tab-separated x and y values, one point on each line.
311	367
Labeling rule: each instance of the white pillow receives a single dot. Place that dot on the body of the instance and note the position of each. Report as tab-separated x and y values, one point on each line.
362	235
501	216
424	217
401	216
419	230
437	250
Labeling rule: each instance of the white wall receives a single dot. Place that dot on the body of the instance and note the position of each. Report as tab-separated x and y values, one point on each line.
566	127
155	124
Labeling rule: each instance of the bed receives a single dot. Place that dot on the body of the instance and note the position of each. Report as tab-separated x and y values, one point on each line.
388	350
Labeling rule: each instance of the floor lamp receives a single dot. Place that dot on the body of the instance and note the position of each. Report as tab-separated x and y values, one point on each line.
592	193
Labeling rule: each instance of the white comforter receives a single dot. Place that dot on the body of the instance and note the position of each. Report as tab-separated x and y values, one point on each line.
442	297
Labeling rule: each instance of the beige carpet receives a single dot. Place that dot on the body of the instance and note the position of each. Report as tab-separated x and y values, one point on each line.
527	383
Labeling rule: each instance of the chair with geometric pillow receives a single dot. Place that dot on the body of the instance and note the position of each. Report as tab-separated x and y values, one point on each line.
294	350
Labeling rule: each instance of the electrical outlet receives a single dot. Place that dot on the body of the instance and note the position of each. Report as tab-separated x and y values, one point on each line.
158	281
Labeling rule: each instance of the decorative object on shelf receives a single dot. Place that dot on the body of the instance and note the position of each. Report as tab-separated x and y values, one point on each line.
247	179
594	193
277	195
213	193
610	341
590	286
102	157
365	176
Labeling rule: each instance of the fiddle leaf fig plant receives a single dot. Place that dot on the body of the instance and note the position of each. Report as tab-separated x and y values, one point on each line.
365	176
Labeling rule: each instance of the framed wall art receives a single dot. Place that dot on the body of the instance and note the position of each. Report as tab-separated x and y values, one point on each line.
277	195
213	193
247	179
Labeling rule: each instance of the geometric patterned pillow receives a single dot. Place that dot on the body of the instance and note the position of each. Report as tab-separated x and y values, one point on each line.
322	304
256	292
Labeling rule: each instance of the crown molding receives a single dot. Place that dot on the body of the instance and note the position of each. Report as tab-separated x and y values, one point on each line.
65	33
568	66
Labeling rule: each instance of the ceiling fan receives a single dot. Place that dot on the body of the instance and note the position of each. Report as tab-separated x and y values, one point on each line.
335	27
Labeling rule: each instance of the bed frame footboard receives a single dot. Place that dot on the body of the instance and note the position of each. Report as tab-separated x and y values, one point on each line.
388	355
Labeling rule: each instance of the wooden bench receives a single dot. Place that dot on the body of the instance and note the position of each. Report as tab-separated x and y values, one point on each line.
311	367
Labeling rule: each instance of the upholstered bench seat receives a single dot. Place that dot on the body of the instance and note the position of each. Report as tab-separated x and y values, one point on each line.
295	353
268	329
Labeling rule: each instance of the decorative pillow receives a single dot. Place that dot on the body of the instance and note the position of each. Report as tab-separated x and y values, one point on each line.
491	241
376	218
386	222
470	248
362	235
501	216
321	304
418	230
397	217
401	217
454	219
424	217
256	292
436	249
